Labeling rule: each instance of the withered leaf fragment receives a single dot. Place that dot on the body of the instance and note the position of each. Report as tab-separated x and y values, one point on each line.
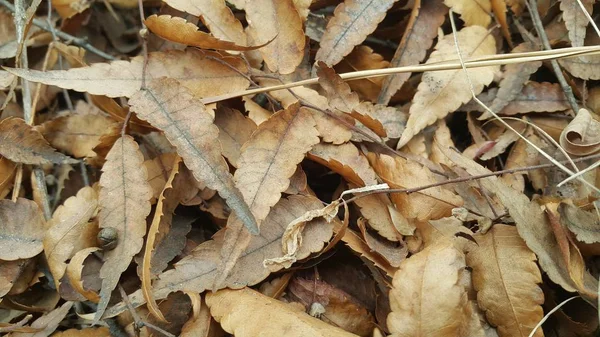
124	205
22	229
171	107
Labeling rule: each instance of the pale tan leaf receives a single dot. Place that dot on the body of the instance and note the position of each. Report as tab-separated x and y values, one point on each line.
159	170
179	30
68	8
47	323
234	131
69	230
235	308
197	271
506	279
345	160
575	19
582	136
21	143
77	134
75	275
277	20
584	67
22	228
205	73
86	332
428	297
216	16
124	201
442	92
188	125
584	225
425	19
364	58
384	217
352	22
472	12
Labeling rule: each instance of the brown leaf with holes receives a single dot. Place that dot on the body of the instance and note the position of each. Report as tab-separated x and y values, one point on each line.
277	21
205	73
352	22
506	279
22	226
188	125
124	202
21	143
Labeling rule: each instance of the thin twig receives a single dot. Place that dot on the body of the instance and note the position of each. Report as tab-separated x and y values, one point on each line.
67	37
539	27
60	57
138	322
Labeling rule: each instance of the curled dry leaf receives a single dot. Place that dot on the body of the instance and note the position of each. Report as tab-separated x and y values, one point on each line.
346	160
179	30
188	125
269	158
441	92
506	279
582	136
234	130
124	205
75	272
428	296
20	143
77	135
425	19
384	217
7	172
205	73
234	308
352	22
69	231
584	225
216	16
22	228
277	21
197	271
472	12
575	19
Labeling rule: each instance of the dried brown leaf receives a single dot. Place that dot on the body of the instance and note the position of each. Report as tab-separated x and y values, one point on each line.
234	130
159	170
364	58
352	22
346	160
46	323
506	279
425	19
22	228
582	136
441	92
205	73
235	308
584	225
69	230
575	19
75	273
188	125
428	297
584	67
86	332
472	12
279	21
7	172
20	143
124	205
69	8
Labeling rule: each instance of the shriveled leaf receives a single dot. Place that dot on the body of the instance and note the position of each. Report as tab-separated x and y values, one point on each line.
425	19
7	172
124	205
345	160
179	30
75	274
77	134
69	230
279	21
189	127
582	136
428	296
234	131
442	92
472	12
575	19
235	308
584	225
21	143
205	73
197	271
506	279
216	16
352	22
384	217
22	228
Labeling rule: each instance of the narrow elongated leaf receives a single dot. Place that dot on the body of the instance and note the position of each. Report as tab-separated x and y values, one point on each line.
278	20
21	143
352	22
124	205
575	19
506	279
187	124
203	72
425	18
442	92
21	229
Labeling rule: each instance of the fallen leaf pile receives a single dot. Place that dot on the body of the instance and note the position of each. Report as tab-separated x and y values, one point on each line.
299	168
